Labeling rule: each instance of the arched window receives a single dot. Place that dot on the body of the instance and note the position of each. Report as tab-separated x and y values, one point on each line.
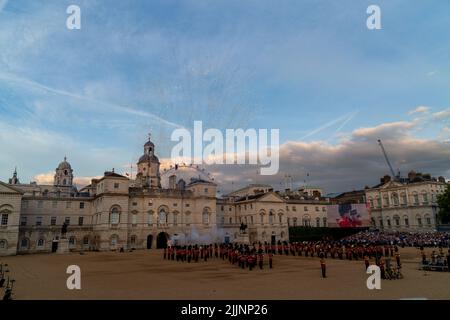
306	220
205	216
397	221
427	219
378	201
388	222
406	220
40	243
3	244
114	217
395	199
261	217
280	218
419	220
162	219
271	217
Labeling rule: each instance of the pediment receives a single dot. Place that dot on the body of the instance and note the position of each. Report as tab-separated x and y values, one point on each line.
5	188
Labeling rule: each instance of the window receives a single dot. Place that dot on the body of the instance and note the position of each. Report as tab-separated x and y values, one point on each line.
114	216
54	204
395	199
324	209
317	208
116	185
251	219
38	221
306	208
80	221
371	202
40	204
114	240
294	208
4	219
205	216
261	218
428	219
324	222
317	222
24	243
67	220
280	218
86	240
389	222
231	220
221	208
271	218
419	221
134	219
134	204
378	202
406	222
187	205
425	198
40	243
187	218
133	240
23	221
72	241
3	244
397	221
175	219
53	221
81	205
295	222
162	217
404	200
206	190
68	204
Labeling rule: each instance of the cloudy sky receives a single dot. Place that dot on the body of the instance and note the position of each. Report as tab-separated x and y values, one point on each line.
310	68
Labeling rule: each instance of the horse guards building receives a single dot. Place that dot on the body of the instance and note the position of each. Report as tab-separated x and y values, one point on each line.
181	206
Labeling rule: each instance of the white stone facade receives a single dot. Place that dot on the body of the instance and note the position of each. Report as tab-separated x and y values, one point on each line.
405	206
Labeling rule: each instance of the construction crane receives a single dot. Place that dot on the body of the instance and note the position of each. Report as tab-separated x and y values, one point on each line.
394	176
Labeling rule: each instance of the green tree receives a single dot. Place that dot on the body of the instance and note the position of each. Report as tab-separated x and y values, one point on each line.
443	201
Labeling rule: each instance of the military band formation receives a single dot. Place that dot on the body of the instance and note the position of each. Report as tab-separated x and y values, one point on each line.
261	255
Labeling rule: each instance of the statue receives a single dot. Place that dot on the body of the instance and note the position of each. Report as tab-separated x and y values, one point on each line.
242	228
64	230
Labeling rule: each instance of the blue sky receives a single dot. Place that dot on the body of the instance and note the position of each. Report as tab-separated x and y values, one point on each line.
310	68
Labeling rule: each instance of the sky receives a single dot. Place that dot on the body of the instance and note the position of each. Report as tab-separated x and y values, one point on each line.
310	68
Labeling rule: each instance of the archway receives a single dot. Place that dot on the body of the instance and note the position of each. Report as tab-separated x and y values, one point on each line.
149	241
161	240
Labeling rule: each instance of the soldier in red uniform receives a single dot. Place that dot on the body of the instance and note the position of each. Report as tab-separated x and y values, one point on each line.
323	265
260	259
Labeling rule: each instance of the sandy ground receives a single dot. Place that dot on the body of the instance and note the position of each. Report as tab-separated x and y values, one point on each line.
145	275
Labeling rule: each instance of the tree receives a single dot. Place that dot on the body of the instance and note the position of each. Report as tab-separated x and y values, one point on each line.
443	201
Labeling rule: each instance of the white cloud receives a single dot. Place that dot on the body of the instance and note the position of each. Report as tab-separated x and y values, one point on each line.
442	115
419	109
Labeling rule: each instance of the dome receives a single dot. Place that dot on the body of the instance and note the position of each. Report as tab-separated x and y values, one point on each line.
64	165
186	173
147	157
149	144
